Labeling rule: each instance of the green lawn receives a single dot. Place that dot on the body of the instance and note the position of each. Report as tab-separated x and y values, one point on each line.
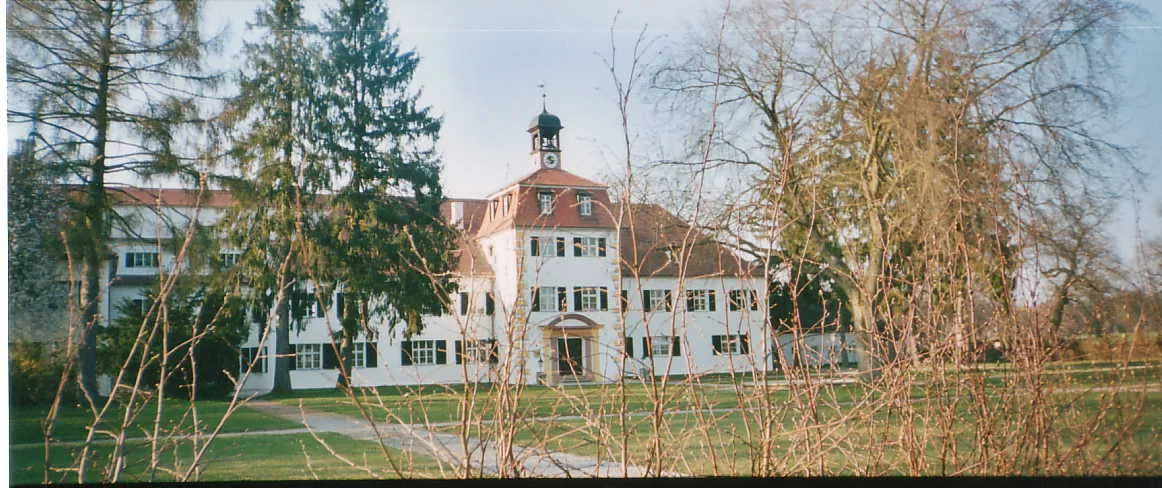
26	423
277	457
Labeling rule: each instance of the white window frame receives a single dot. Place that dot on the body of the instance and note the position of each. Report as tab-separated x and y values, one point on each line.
661	346
142	259
590	247
477	350
547	299
309	356
731	344
590	299
359	355
548	246
585	204
700	299
545	202
230	258
423	352
657	299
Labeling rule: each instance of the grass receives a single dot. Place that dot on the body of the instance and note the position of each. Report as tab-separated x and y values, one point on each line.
277	457
72	422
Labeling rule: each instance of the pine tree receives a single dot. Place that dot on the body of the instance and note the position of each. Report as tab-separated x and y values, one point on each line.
274	185
382	237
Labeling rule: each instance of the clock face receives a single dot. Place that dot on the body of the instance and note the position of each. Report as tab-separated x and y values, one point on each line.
551	160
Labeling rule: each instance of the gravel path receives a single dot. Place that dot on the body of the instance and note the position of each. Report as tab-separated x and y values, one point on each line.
450	448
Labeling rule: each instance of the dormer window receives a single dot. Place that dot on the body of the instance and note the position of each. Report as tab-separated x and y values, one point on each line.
585	204
545	202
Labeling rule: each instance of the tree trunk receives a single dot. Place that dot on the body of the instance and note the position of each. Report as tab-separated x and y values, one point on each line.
94	219
282	359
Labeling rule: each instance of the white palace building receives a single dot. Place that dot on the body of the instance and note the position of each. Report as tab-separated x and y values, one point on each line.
557	284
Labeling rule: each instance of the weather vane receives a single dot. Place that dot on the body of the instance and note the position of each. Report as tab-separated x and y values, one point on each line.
544	97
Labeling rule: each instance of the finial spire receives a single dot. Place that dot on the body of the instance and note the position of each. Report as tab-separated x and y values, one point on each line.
544	98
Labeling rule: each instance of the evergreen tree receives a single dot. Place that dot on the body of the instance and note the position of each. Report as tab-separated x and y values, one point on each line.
276	180
382	237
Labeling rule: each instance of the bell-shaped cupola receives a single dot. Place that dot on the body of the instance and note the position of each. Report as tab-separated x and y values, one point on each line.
545	130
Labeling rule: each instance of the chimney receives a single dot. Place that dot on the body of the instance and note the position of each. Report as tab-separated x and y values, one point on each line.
458	214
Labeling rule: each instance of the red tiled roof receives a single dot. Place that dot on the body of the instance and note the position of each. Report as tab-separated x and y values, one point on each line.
557	177
653	246
172	197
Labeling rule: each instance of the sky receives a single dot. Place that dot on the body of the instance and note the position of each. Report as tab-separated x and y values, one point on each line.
482	62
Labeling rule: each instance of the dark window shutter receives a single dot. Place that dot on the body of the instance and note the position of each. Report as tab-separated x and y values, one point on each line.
754	300
560	247
646	300
493	352
645	347
710	299
677	342
340	306
330	361
371	354
624	301
441	352
604	299
629	347
293	357
577	247
669	300
536	300
716	341
128	259
576	299
562	299
405	353
534	246
743	344
320	307
601	246
463	303
489	304
459	352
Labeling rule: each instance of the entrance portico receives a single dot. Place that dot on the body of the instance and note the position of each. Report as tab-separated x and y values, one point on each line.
571	347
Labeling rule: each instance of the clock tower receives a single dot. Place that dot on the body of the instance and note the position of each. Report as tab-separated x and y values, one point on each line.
545	130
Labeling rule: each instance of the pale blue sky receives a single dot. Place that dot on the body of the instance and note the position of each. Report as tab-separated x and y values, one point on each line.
482	62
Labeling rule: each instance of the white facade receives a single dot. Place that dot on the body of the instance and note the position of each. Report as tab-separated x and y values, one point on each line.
550	315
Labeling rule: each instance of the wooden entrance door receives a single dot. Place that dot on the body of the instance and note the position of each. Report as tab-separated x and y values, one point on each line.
569	354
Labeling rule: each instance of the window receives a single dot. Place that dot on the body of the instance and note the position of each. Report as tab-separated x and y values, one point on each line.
624	301
628	347
424	352
550	299
229	259
141	260
590	299
309	356
545	202
359	355
741	299
588	246
730	344
505	204
463	303
661	346
248	355
140	304
489	304
547	246
477	351
585	204
657	300
700	300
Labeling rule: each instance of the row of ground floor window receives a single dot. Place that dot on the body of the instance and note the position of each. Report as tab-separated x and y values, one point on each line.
818	349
